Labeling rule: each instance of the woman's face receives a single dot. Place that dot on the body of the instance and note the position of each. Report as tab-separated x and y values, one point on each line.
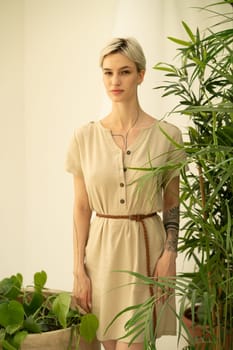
121	77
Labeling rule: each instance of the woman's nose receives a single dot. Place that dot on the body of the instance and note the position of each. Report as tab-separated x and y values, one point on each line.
115	79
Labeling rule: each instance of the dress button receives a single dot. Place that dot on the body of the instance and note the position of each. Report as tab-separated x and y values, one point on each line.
122	201
122	184
125	169
128	152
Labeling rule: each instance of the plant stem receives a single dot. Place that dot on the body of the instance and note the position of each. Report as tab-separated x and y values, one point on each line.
202	191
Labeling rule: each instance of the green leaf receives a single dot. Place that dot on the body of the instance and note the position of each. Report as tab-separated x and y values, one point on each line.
179	41
61	307
35	304
40	278
31	325
11	315
189	32
7	346
10	287
12	329
19	279
88	327
165	67
2	334
19	338
225	136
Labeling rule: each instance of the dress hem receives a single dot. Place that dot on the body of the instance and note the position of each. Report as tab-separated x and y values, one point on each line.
168	333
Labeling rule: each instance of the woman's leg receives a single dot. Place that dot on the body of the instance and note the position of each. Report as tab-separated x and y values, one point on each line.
125	346
119	345
109	344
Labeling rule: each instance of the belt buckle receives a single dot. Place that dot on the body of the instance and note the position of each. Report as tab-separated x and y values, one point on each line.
135	217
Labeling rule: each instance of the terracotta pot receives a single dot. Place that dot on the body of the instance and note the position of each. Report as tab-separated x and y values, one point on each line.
201	338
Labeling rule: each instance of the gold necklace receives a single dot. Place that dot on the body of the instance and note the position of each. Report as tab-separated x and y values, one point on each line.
125	137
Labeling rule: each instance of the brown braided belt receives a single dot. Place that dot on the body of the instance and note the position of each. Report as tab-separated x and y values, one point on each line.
139	218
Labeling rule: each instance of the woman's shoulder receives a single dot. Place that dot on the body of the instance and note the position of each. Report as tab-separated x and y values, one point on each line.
86	129
168	127
160	124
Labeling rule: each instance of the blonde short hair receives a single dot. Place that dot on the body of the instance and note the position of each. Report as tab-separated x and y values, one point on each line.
128	47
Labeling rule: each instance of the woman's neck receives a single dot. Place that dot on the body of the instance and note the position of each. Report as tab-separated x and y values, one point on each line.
125	117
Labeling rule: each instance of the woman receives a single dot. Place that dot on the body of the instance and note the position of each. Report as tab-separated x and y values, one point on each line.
126	232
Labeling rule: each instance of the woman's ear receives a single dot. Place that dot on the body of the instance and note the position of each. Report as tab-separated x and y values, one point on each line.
141	75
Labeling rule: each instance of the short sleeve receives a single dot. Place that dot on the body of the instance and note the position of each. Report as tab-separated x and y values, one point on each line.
73	159
176	156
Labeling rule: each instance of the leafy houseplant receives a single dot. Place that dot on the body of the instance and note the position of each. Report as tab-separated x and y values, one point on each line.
38	310
203	83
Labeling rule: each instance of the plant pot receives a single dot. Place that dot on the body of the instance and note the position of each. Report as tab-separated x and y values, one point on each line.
55	340
199	336
196	333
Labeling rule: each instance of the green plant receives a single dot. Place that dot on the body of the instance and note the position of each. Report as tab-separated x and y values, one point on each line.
203	83
36	309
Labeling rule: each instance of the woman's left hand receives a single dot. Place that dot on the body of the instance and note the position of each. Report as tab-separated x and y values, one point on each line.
165	267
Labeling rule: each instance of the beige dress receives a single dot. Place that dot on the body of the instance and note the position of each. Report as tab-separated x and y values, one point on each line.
118	244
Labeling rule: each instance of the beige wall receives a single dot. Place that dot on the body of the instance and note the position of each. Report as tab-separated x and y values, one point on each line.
12	137
50	83
61	92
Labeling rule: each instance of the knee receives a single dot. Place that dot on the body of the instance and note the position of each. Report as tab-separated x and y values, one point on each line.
125	346
109	344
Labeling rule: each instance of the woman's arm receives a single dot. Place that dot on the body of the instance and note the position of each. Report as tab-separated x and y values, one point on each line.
82	217
171	215
166	265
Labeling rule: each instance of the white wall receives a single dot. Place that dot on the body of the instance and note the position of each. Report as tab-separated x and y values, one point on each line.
50	83
61	92
12	138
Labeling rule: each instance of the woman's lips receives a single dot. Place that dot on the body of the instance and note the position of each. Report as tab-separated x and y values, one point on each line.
116	92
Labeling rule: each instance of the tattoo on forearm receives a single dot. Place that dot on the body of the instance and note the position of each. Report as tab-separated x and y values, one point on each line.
171	224
172	241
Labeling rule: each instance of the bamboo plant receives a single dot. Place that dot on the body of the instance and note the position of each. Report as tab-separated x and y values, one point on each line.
203	83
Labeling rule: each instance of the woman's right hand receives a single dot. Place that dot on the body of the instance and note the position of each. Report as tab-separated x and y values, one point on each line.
82	291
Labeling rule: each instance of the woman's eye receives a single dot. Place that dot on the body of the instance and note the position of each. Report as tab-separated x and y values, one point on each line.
125	72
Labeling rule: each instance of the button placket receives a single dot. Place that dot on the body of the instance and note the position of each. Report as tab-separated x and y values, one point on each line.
122	184
122	189
128	152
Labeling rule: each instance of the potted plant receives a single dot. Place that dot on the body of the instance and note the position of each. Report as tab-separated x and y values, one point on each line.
39	318
203	82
